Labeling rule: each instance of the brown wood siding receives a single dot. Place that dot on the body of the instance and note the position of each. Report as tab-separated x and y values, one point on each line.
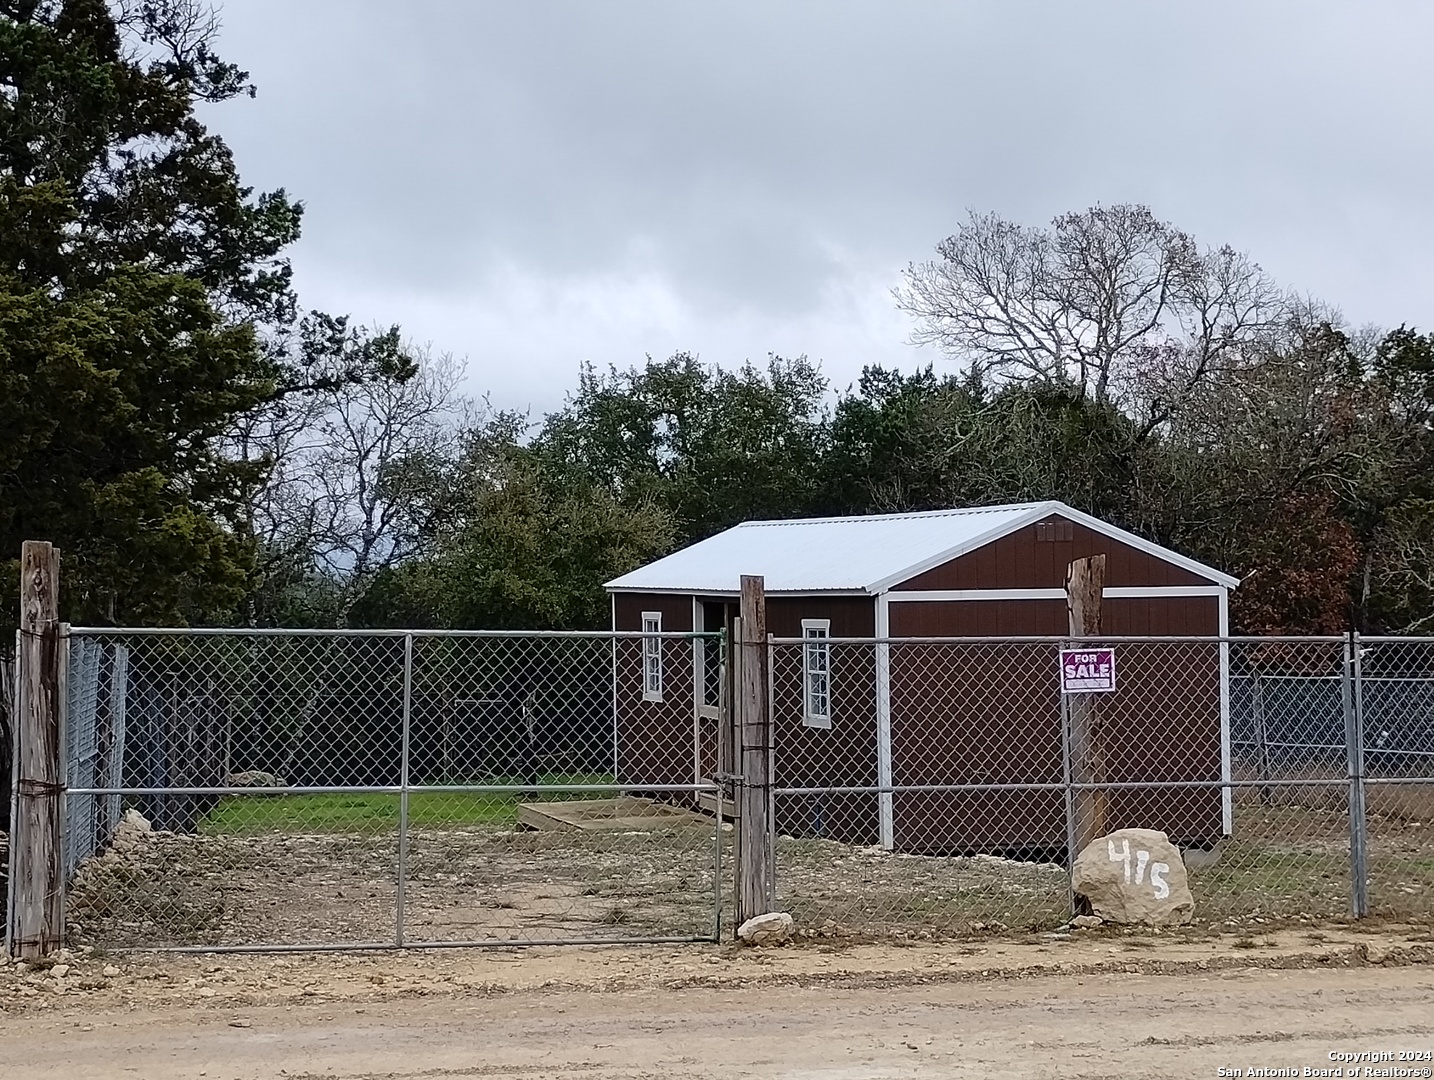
655	739
1020	561
843	755
1153	616
990	713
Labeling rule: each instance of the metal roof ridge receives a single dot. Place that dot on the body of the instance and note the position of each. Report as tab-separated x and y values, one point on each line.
907	515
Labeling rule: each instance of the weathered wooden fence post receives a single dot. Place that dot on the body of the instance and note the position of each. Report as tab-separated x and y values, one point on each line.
1085	592
37	911
755	862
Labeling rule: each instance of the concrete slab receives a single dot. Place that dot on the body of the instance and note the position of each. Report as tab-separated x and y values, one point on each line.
626	813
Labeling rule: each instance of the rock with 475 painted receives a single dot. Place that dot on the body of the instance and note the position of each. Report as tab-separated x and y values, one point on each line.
1134	876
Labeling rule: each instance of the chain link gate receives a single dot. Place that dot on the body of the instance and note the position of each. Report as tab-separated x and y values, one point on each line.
237	789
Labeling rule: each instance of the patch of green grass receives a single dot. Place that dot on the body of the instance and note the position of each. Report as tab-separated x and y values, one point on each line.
246	815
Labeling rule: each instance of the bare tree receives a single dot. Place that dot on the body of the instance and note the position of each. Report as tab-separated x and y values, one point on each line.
1124	307
352	473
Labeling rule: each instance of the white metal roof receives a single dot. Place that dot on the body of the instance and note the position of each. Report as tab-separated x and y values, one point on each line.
860	554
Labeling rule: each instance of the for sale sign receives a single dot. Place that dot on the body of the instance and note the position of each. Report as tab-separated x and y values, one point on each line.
1087	671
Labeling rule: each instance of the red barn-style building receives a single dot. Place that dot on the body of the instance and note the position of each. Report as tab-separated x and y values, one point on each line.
913	713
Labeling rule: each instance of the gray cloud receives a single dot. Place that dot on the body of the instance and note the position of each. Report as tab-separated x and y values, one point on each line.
535	184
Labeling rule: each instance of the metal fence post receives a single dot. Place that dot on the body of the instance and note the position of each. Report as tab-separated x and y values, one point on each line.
1066	780
724	721
69	857
754	887
772	773
402	895
1354	746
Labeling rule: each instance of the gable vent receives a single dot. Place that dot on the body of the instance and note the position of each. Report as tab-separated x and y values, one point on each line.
1057	531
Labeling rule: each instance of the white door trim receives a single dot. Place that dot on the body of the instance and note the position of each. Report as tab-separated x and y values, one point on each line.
616	711
1227	802
697	687
883	723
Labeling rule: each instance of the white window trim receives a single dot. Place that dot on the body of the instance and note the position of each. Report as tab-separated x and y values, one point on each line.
811	718
651	652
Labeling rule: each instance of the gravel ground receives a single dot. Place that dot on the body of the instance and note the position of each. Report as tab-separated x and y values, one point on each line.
463	884
1287	866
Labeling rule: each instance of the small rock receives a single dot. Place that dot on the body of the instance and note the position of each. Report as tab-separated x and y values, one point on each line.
773	928
241	1023
110	971
1087	922
254	778
206	991
1375	954
59	971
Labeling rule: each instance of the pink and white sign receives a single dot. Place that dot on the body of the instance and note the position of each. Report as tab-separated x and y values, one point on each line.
1087	671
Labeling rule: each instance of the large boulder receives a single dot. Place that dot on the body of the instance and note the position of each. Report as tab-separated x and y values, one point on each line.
773	928
1134	876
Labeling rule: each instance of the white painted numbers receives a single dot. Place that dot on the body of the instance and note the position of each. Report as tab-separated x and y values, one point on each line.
1158	870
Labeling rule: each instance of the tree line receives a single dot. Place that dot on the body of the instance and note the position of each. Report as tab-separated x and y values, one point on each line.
205	450
1304	470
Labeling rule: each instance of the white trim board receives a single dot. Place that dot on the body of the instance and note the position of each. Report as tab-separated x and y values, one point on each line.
736	594
616	712
1227	802
698	676
883	726
1120	592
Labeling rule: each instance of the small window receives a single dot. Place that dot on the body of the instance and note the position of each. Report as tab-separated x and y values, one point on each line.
651	656
816	673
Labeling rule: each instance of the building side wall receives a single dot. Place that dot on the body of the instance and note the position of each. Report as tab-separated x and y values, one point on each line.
843	755
654	739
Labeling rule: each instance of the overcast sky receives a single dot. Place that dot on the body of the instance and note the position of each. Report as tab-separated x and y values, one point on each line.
533	184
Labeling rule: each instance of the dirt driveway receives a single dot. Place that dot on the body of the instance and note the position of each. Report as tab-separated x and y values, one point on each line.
1097	1006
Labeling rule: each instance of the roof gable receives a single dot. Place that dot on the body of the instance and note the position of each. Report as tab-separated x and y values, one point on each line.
860	554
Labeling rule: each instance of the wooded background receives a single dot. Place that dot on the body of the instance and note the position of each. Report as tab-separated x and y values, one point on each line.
206	451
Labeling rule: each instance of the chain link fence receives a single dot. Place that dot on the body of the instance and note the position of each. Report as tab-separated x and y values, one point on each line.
291	789
934	796
284	789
